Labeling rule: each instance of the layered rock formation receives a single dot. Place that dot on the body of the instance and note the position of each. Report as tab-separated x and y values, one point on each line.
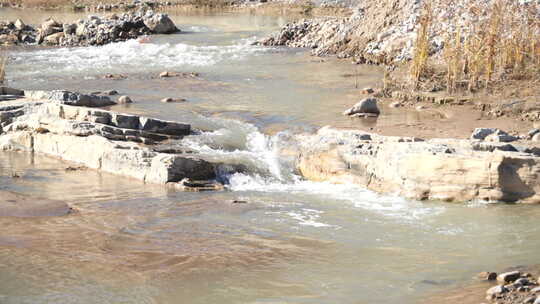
438	169
91	31
122	144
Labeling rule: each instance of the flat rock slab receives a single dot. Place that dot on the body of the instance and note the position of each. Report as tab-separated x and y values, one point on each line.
18	205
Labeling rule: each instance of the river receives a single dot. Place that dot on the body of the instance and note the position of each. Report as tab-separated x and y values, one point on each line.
272	237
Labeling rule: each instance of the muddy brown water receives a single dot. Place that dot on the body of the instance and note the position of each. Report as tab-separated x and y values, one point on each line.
293	241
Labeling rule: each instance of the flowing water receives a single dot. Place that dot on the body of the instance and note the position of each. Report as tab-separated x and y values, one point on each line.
272	237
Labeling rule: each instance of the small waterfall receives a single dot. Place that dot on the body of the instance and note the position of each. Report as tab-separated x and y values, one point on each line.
249	157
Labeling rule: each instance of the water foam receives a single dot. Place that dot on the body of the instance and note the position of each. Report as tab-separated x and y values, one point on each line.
267	171
129	55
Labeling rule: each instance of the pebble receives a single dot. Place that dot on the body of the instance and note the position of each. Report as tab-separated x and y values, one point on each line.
367	91
495	291
487	275
124	99
169	99
508	277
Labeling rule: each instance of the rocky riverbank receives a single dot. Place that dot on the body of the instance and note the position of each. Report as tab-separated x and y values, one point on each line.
93	30
492	165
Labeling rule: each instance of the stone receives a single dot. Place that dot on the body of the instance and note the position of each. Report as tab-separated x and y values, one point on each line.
117	145
529	300
49	27
54	39
537	301
395	104
533	132
164	74
535	290
437	169
111	92
69	29
367	91
11	91
160	24
482	133
500	136
508	277
522	281
169	100
536	137
70	98
488	276
19	24
190	185
366	105
164	127
124	100
495	292
24	206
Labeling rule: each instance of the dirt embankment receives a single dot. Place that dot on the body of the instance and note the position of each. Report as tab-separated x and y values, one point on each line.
436	51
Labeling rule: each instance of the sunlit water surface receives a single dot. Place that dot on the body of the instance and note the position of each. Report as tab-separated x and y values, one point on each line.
285	240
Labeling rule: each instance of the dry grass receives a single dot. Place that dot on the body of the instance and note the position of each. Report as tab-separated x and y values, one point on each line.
501	46
3	64
421	48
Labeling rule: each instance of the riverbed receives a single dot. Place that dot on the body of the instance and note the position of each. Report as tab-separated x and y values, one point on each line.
272	237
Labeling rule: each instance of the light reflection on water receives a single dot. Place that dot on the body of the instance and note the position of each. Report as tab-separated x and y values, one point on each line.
292	242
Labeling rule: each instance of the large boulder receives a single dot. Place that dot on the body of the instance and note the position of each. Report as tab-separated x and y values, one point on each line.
492	134
438	169
364	106
49	27
54	39
160	23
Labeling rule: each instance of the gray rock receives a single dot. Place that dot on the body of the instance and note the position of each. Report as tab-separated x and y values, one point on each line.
533	132
164	127
366	105
522	281
126	121
508	277
124	99
160	23
49	27
19	24
496	291
529	300
11	91
70	29
535	290
482	133
500	136
487	275
71	98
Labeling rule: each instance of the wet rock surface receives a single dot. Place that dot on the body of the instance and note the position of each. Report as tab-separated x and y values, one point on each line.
437	169
93	30
109	141
18	205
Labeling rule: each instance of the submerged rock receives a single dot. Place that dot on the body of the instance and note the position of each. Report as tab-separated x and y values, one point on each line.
124	99
364	106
